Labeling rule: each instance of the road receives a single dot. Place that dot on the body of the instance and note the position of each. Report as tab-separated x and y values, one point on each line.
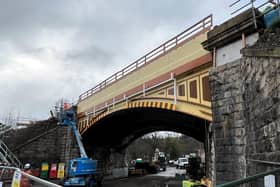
170	172
161	179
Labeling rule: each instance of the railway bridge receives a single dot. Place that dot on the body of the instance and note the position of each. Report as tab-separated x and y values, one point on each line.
169	89
166	89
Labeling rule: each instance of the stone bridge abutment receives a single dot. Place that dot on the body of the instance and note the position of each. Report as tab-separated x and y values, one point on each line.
246	114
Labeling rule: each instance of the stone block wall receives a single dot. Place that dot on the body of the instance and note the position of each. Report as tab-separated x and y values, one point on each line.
261	80
246	115
228	122
45	141
56	144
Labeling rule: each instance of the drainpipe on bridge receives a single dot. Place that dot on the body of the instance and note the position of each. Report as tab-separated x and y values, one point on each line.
175	88
144	89
214	57
124	97
114	100
106	105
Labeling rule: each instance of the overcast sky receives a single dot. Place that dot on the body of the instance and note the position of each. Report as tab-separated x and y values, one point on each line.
59	48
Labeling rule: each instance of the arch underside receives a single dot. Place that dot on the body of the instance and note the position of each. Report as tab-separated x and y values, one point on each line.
118	129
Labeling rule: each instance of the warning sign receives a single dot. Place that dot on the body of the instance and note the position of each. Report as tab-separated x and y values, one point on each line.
60	172
16	179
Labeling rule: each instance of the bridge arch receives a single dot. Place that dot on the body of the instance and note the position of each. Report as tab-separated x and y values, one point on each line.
118	129
174	74
166	89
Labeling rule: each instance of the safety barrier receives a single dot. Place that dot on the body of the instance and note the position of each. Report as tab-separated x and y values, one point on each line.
16	179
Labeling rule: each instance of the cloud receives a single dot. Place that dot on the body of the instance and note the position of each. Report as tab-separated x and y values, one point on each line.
53	49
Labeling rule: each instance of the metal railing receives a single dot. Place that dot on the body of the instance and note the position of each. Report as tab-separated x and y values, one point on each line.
31	177
249	179
4	128
254	177
126	98
200	26
251	3
264	162
253	8
7	156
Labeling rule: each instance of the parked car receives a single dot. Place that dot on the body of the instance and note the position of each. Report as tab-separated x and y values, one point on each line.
171	162
182	163
176	163
162	163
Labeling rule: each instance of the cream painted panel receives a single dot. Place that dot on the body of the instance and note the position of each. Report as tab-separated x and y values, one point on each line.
195	110
183	54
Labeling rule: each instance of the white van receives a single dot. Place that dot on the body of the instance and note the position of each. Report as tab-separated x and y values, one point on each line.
182	163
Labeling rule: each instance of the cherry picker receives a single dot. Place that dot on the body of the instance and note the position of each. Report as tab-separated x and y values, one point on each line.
82	171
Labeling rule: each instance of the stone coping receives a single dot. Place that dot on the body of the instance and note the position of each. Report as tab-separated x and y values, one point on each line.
263	52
